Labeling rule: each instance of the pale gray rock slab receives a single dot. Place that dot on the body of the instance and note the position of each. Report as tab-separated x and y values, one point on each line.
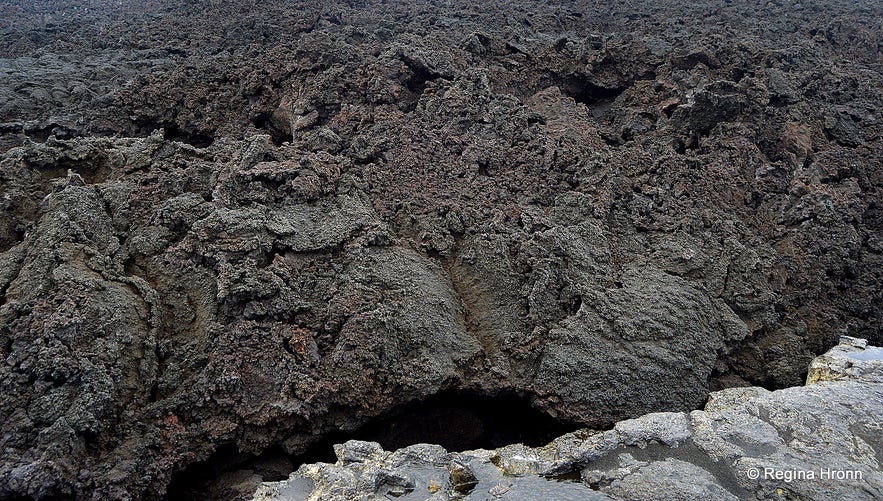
669	428
667	480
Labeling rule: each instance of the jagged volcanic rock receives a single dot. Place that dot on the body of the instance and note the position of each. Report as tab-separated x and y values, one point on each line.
242	226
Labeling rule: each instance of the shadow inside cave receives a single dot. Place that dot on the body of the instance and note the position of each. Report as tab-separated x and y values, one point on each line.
458	421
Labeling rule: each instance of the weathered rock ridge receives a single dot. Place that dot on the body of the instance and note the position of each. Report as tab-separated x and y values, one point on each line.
234	227
820	441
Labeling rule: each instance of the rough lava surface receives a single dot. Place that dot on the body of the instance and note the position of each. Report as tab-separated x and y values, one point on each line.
245	225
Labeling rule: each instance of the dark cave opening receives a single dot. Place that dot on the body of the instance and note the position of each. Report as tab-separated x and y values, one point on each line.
145	126
419	80
278	135
458	421
197	139
589	94
42	134
206	479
